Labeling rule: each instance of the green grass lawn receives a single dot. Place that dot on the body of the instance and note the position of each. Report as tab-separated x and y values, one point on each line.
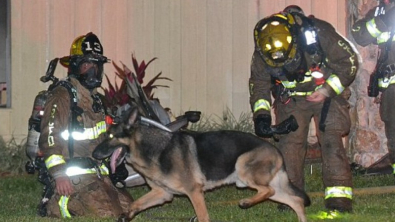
20	196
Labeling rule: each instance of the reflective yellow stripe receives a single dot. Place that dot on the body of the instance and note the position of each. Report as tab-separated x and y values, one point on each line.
338	191
104	170
372	28
290	85
384	83
54	160
88	134
393	167
383	38
63	201
261	104
307	79
75	170
300	93
335	83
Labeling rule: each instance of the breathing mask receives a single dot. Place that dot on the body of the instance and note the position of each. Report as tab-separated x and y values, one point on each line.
86	60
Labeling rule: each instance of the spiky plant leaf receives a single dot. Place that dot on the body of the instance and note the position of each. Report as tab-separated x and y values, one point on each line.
116	95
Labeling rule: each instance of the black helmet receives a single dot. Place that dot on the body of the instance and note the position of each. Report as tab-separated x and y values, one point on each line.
275	39
83	45
86	49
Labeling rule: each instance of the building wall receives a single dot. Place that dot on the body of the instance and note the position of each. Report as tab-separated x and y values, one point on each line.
204	46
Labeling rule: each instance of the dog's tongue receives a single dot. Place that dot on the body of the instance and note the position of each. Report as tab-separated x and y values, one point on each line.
114	158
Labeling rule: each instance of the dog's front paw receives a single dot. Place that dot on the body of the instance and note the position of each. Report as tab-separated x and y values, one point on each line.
123	218
244	204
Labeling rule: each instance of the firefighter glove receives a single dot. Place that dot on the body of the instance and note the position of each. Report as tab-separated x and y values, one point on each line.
262	125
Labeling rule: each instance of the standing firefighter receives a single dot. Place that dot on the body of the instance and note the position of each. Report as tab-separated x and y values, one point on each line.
71	127
306	65
378	27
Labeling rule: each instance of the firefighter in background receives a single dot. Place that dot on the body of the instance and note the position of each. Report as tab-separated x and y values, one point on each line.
69	134
307	65
378	27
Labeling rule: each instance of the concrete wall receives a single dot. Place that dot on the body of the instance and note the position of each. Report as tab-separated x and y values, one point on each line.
205	46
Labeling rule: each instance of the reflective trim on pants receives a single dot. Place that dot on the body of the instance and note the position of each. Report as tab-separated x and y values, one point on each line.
63	201
338	191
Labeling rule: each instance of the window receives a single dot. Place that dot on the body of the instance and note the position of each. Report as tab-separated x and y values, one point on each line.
5	46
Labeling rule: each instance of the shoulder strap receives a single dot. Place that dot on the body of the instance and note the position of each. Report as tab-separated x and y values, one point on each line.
73	114
72	91
388	45
380	64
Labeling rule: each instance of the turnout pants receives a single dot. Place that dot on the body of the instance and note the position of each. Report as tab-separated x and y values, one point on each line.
387	114
336	171
93	197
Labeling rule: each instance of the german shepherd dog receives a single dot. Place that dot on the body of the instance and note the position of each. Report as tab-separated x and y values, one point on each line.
189	163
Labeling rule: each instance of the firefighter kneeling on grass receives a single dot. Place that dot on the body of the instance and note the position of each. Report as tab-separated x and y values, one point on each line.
72	125
307	65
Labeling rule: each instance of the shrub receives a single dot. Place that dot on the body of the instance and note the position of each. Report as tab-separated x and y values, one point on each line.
12	157
225	122
116	96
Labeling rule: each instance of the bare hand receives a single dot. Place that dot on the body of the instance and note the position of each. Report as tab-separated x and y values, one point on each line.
316	97
63	186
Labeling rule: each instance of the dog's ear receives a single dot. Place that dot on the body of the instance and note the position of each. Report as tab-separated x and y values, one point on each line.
132	118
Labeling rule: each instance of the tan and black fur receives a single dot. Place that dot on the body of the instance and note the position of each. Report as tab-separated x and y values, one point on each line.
189	163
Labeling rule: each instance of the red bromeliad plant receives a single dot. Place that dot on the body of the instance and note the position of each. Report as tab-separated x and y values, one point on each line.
116	95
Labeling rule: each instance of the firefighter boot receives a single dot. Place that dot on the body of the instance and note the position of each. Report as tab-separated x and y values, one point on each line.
337	208
341	204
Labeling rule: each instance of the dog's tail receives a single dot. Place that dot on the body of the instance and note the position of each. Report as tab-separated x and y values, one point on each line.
298	192
302	194
284	184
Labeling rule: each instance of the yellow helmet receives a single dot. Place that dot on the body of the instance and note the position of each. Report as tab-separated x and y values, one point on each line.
83	45
274	39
